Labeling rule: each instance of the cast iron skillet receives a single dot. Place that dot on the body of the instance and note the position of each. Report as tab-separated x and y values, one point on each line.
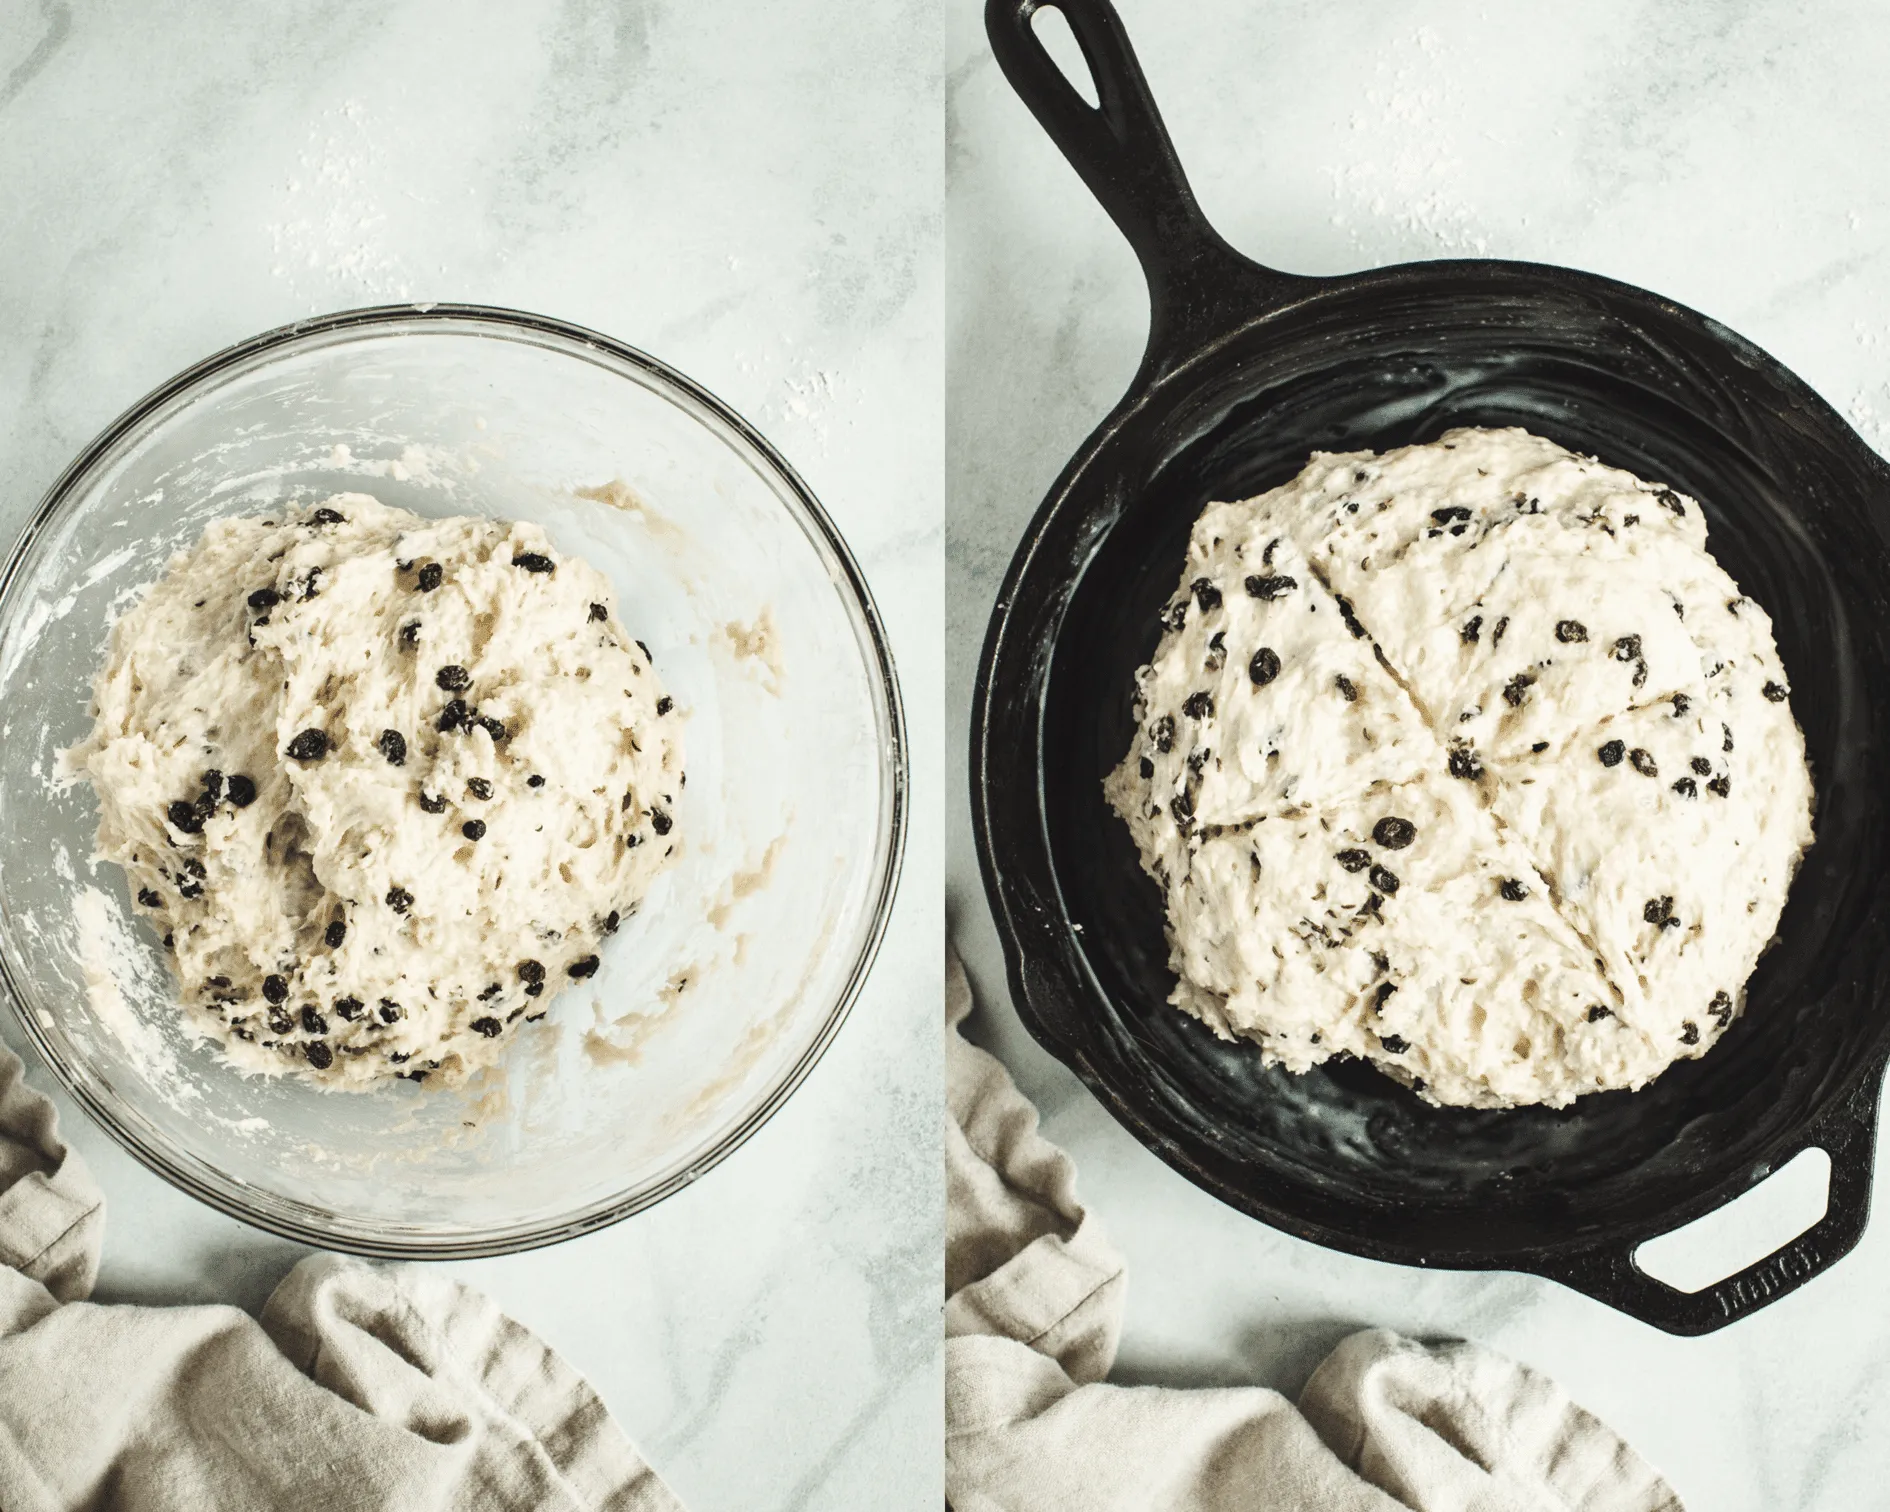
1247	371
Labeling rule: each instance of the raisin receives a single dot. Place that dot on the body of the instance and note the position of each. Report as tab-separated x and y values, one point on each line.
1598	1011
1465	763
534	561
432	805
534	781
280	1022
453	678
1354	860
327	516
1721	1008
1513	890
1217	651
275	989
410	634
1659	911
1264	667
1612	753
1379	998
1640	673
1147	769
148	898
1627	649
334	934
1689	1033
489	1027
263	599
1686	787
309	590
190	890
491	990
1394	833
1199	705
1183	810
1270	586
1517	689
1395	1044
206	804
1643	762
1701	765
531	971
1385	881
1570	632
533	989
1452	512
1668	499
1346	688
1727	747
493	727
660	821
310	745
218	982
242	790
399	899
431	576
312	1021
391	1012
453	717
1539	747
212	781
1175	616
599	614
1496	635
1472	630
1720	787
348	1008
1681	703
580	969
1205	594
393	745
184	816
319	1055
1774	692
1347	614
474	829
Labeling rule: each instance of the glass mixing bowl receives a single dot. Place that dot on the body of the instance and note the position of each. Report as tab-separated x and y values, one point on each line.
713	1002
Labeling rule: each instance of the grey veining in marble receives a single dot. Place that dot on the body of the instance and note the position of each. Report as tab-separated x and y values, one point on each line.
750	191
1722	154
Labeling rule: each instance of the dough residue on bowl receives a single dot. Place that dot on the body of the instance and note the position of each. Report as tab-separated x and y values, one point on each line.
383	783
1467	759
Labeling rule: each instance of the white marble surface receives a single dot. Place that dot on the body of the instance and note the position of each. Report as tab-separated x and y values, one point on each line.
751	192
1717	153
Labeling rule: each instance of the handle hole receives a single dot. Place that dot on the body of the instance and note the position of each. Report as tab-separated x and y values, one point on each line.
1052	30
1757	1223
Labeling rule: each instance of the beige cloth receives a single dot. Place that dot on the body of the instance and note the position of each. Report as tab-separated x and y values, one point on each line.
1034	1297
363	1388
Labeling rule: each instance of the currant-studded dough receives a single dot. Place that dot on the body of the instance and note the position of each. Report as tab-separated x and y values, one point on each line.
1467	759
383	783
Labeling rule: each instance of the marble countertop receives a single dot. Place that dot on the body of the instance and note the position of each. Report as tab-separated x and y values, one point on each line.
688	178
1715	154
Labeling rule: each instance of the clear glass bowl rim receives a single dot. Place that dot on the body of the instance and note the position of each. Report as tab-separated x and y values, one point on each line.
560	335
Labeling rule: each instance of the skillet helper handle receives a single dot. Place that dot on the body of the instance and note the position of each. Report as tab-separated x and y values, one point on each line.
1197	283
1847	1133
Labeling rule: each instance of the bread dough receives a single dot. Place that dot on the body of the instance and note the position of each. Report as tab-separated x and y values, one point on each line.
1467	759
383	783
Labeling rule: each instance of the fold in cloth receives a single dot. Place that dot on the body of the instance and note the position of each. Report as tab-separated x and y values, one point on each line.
362	1388
1033	1314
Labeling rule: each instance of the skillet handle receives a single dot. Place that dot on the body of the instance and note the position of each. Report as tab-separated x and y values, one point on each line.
1198	285
1847	1133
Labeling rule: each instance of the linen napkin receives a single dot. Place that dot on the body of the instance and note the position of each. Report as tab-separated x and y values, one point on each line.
1033	1314
362	1388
